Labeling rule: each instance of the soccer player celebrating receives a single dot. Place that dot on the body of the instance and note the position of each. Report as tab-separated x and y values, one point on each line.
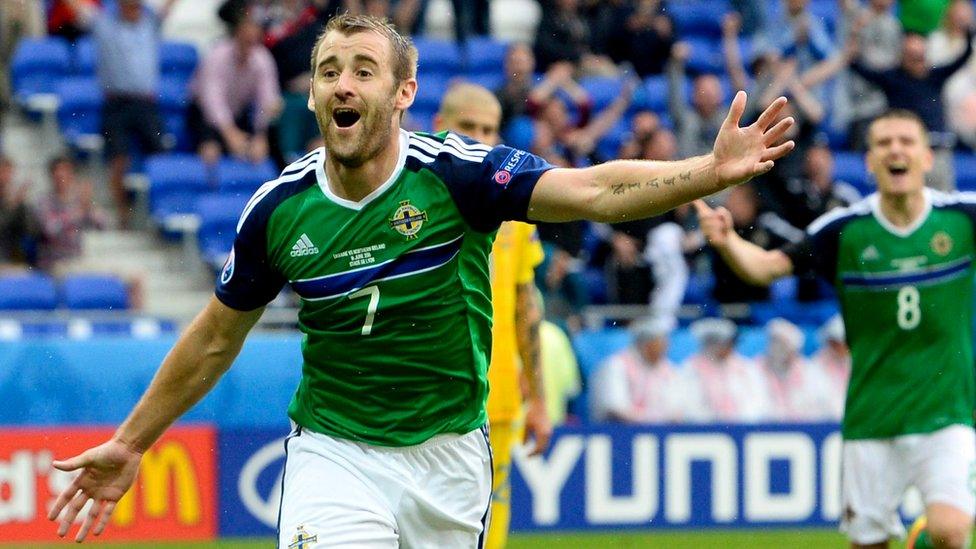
902	262
475	112
385	236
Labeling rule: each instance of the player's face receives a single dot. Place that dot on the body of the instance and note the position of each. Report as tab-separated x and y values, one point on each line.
480	124
898	155
355	98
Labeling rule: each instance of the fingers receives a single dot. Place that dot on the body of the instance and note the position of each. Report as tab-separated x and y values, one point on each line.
726	217
771	113
72	464
107	509
777	132
735	111
77	503
777	152
701	208
763	167
63	499
90	518
541	442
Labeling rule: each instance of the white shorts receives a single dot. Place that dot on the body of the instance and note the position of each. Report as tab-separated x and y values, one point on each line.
877	472
340	493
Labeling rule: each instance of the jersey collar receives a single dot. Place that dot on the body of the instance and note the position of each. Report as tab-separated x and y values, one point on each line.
875	201
353	205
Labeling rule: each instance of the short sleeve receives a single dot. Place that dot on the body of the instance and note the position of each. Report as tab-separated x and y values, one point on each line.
488	184
818	250
248	279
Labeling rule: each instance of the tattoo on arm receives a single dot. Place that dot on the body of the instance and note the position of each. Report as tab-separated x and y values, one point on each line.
529	346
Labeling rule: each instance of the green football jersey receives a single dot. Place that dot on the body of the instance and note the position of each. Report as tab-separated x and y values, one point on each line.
395	292
906	295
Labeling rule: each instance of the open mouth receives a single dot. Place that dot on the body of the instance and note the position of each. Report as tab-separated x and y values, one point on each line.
897	169
345	117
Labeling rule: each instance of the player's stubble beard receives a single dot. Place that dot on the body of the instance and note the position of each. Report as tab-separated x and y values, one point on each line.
372	136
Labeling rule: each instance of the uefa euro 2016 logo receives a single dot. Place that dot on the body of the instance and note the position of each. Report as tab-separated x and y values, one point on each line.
408	219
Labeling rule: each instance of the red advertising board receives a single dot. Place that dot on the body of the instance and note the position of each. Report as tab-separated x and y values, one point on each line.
173	498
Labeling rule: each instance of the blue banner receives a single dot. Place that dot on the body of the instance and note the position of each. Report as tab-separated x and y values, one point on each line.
607	477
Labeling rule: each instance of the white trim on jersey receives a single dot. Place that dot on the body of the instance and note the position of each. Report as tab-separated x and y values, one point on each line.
352	204
421	156
380	264
287	176
452	145
858	208
875	201
393	277
940	198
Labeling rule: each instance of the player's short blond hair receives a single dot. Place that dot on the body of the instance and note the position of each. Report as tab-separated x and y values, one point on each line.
404	60
463	96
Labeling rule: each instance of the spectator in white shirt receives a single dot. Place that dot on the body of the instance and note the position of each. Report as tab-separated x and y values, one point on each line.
639	384
834	360
797	390
727	385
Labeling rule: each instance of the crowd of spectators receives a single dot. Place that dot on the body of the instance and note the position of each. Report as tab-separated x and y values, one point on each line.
670	90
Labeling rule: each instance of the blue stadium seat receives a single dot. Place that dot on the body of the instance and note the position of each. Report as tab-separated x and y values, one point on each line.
80	108
849	166
93	291
656	93
483	54
242	176
420	119
602	90
219	214
438	56
174	100
489	80
609	145
84	57
965	168
705	56
175	182
37	65
28	291
177	59
430	90
520	133
698	18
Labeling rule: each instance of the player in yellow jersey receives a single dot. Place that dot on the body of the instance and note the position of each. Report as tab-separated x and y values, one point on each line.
472	110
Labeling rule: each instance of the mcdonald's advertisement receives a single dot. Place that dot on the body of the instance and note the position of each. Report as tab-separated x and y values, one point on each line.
174	497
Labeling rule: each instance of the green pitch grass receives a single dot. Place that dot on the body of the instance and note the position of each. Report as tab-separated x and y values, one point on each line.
757	539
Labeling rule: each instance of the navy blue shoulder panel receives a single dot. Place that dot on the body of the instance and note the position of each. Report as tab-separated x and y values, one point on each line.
819	250
488	184
248	279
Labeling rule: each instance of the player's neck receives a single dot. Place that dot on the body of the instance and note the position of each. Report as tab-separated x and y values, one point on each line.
355	183
901	210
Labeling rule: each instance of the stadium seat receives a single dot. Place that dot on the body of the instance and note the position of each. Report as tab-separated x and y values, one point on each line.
93	291
656	93
698	18
483	54
430	90
602	90
174	100
175	182
705	56
608	146
965	168
80	110
489	80
177	59
242	176
218	214
84	57
849	166
28	291
37	65
438	56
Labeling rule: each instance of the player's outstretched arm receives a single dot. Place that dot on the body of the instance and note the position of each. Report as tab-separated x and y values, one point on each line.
633	189
198	359
749	262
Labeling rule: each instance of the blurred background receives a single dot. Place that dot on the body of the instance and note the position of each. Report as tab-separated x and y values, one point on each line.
686	399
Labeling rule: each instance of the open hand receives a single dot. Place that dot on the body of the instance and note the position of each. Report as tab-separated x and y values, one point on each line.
715	224
107	472
743	153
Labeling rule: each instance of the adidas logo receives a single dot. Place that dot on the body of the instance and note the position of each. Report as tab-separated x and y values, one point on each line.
304	247
870	254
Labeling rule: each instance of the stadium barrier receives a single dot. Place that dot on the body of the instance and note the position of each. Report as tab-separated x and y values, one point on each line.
223	478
